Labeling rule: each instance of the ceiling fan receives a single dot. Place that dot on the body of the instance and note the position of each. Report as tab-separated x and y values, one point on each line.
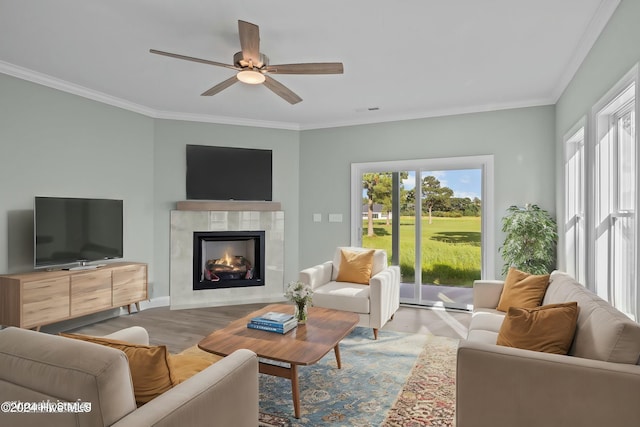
253	66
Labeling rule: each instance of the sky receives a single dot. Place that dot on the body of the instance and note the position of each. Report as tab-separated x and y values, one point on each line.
464	182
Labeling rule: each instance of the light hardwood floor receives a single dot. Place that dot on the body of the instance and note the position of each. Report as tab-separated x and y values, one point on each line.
180	329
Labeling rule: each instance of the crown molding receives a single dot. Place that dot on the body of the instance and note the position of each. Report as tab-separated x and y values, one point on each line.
74	89
433	113
589	37
224	120
64	86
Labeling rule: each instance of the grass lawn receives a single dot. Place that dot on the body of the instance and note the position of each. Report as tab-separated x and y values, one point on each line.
450	249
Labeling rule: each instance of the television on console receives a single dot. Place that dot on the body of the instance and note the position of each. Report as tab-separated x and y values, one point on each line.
224	173
76	230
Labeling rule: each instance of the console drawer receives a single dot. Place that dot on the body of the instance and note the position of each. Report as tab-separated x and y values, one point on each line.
90	292
45	301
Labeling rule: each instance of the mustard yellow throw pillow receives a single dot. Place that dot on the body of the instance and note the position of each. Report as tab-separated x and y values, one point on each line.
184	366
150	366
548	329
190	362
522	290
355	267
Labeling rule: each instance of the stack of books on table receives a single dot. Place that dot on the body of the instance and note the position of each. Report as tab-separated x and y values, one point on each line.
274	322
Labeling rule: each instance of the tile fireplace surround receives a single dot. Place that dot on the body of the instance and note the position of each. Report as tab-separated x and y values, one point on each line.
225	216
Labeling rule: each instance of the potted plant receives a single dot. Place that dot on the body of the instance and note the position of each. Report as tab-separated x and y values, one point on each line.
530	242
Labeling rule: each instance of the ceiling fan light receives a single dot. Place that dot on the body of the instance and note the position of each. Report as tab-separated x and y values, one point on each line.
250	77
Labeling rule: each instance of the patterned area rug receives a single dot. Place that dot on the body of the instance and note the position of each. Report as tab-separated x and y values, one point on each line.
428	396
399	380
268	420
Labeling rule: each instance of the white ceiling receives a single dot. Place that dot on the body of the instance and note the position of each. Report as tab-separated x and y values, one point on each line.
409	58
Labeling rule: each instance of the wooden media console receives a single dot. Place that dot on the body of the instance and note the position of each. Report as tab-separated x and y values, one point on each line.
31	300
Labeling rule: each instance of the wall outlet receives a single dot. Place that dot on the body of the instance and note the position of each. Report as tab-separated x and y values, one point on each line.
317	217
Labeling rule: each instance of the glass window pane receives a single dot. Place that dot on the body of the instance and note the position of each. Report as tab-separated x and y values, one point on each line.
378	221
451	227
407	238
378	218
376	211
624	289
603	180
574	204
626	162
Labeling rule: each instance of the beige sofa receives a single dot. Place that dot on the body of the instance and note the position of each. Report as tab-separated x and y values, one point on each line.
37	367
596	385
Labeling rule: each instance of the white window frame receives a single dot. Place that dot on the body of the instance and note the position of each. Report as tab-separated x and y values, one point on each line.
599	131
575	254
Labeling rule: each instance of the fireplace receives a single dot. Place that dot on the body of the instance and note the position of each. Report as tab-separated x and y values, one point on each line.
228	259
234	218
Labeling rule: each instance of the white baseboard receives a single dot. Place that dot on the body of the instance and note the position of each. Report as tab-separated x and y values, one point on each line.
155	302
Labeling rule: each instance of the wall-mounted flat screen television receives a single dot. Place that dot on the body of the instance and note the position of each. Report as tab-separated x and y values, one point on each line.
71	230
224	173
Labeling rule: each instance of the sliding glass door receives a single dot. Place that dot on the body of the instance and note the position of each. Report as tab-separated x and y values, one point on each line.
431	221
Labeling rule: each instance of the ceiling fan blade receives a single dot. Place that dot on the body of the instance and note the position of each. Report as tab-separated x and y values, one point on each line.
190	58
220	86
310	68
249	41
281	90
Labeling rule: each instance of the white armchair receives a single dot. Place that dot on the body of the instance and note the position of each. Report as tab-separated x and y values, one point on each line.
376	303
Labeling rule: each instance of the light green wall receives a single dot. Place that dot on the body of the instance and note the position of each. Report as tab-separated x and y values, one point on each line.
56	144
170	171
616	51
521	140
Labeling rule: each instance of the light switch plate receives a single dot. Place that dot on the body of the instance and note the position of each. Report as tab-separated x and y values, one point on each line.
335	217
317	217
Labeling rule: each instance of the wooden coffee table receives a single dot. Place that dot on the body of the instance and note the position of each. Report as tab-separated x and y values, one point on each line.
304	345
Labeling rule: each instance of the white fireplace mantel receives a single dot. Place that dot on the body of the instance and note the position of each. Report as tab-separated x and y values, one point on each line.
225	216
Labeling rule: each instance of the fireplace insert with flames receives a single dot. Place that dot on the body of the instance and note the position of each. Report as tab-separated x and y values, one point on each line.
227	259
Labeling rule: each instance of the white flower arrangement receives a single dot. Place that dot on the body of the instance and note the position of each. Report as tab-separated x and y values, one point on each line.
299	292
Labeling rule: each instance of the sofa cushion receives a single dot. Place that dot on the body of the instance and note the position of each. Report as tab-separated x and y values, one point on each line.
602	332
548	329
486	320
485	325
379	260
482	336
150	366
355	267
344	296
522	290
